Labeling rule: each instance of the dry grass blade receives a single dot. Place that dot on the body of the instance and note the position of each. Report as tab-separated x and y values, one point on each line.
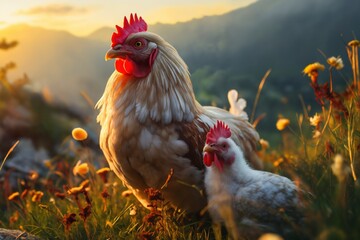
258	119
21	235
8	153
261	85
88	99
168	178
303	105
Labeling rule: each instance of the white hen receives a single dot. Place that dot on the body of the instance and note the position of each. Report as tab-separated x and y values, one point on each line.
242	198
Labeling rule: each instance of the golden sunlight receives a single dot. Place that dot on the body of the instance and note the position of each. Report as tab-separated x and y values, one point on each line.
83	18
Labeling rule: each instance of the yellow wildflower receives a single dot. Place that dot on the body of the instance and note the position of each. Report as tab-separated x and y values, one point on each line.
80	168
102	172
313	67
336	62
126	193
270	236
14	217
312	70
79	134
33	175
264	144
37	196
354	43
278	162
315	120
75	190
13	196
84	183
109	224
282	123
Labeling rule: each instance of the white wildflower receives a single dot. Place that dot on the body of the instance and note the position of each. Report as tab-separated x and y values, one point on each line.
237	106
336	62
317	134
132	211
315	120
339	169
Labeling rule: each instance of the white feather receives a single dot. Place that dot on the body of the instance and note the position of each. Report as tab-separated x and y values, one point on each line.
129	109
154	114
141	112
251	193
145	139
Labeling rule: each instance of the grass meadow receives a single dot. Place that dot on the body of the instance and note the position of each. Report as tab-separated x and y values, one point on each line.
78	197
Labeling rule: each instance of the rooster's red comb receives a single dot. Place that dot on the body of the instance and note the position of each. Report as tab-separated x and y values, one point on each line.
220	129
135	25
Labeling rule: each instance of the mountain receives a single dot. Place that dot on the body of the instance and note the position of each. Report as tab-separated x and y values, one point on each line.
280	34
283	35
58	60
233	50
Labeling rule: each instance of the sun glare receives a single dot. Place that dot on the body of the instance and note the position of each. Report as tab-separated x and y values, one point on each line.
84	17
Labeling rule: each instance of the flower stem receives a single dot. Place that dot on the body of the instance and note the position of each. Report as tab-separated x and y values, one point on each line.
350	143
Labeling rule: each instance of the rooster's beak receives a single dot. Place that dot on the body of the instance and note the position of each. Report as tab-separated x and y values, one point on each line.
116	52
209	148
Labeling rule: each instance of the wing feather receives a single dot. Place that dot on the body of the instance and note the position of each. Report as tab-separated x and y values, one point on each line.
194	135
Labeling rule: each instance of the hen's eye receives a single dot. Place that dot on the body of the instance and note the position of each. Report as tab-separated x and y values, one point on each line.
138	44
224	145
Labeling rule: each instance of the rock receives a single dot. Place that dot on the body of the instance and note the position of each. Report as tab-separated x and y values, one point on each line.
25	159
8	234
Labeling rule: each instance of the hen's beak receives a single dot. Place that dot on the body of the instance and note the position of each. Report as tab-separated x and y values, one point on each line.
116	52
209	148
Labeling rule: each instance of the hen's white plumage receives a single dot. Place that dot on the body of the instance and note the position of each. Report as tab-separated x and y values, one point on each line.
240	196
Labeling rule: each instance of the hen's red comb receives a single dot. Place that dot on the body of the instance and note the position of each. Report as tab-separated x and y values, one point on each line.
217	131
135	25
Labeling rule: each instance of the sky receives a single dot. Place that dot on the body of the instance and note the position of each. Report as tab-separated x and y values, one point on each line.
81	17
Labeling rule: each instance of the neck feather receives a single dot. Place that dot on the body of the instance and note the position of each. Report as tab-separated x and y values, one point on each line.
164	96
239	168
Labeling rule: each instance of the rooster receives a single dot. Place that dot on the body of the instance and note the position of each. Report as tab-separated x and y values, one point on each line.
243	198
151	124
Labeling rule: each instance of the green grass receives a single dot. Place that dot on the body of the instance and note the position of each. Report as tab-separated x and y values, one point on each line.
99	209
